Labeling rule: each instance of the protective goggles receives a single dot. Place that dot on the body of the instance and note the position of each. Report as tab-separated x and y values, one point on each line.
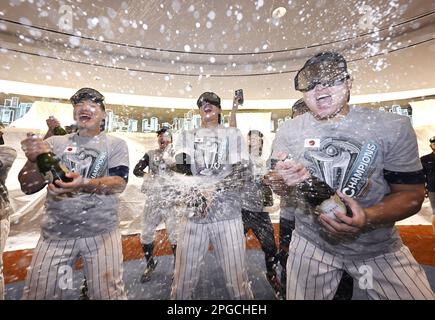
326	73
210	98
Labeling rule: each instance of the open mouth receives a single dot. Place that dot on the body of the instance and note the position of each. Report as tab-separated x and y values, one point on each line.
323	97
208	109
84	117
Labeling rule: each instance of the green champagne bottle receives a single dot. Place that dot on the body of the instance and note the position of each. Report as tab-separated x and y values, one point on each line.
318	193
58	131
50	166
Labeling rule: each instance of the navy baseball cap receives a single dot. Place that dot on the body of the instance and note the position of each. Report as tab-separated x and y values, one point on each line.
209	97
88	94
164	130
324	67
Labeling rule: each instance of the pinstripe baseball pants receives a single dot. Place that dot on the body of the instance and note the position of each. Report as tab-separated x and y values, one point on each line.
314	274
152	218
48	277
229	245
4	232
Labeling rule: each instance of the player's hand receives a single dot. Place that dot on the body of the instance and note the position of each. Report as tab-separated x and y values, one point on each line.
33	146
236	102
292	172
52	123
275	181
344	226
59	187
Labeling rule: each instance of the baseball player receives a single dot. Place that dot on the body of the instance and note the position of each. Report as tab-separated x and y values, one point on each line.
290	206
158	205
80	217
255	196
372	158
212	154
7	157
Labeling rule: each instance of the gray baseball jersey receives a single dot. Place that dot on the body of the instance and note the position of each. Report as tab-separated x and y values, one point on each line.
213	152
84	214
161	201
351	156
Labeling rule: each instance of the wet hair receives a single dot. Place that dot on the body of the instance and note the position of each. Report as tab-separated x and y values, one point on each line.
88	94
164	130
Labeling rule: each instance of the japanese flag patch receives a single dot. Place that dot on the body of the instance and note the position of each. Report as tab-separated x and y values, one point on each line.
312	143
70	150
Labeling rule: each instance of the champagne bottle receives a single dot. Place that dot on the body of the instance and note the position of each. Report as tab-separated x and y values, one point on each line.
267	195
52	168
318	193
58	131
197	202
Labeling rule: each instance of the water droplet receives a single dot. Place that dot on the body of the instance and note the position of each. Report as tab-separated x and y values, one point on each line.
211	15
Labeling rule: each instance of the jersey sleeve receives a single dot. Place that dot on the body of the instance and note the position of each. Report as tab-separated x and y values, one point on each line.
141	165
281	142
118	154
402	150
402	164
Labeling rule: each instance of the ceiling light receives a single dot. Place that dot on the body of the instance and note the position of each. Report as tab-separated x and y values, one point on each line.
279	12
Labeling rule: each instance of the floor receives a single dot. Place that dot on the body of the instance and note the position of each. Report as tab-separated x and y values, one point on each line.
211	284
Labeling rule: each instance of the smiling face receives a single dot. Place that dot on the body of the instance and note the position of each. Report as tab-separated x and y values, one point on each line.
88	116
325	101
164	139
209	112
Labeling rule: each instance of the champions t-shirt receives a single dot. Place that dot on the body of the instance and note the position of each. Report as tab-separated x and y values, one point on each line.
351	156
84	214
213	152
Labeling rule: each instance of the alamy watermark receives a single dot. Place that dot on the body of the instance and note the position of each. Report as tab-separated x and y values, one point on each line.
365	282
65	277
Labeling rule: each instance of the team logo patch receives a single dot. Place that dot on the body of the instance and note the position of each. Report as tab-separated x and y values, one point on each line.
312	143
70	150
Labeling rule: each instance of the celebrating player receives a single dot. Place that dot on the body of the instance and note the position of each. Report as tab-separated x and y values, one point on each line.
372	158
158	204
80	217
7	158
212	154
